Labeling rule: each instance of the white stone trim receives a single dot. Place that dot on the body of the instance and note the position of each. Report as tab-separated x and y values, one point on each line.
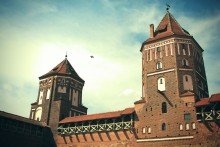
189	50
159	72
167	42
178	48
165	139
78	111
68	77
147	55
166	50
200	75
171	49
185	69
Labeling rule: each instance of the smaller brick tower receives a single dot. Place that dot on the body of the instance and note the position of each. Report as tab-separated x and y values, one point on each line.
59	96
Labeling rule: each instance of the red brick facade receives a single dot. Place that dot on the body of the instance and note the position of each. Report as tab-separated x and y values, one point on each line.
174	110
174	79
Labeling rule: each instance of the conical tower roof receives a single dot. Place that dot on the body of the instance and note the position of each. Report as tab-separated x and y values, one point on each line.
168	27
63	69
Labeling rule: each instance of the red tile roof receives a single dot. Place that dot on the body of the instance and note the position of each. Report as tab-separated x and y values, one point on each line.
22	119
168	27
63	68
188	93
207	101
99	116
215	98
202	102
140	101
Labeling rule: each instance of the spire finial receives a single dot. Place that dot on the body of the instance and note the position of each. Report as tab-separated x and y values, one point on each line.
66	55
168	7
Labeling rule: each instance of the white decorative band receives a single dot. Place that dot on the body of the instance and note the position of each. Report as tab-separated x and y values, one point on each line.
78	111
159	72
185	69
165	138
200	75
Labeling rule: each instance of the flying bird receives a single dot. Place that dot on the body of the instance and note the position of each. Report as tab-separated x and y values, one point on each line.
91	56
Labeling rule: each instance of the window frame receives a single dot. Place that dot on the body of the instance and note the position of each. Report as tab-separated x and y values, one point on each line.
164	127
187	117
159	65
158	49
164	107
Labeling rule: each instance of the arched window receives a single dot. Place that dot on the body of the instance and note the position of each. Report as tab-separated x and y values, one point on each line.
159	65
164	107
149	130
161	84
185	62
193	125
48	94
181	127
186	78
38	114
143	130
184	51
40	97
187	126
163	127
158	49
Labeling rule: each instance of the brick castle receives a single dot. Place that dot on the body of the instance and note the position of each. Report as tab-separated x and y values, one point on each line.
175	108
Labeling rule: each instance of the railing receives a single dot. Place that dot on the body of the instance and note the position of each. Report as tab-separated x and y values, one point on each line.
96	128
208	116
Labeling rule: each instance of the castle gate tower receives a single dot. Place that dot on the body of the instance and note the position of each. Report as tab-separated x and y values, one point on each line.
59	96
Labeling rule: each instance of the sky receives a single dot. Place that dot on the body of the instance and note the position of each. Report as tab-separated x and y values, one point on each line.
36	34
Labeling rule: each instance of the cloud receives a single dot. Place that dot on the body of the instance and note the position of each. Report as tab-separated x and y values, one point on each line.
16	97
128	91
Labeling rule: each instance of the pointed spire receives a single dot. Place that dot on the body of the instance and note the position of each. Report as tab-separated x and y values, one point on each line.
167	27
64	68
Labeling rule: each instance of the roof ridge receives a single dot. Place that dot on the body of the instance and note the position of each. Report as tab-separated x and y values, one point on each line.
178	24
63	68
96	116
160	23
169	15
19	118
60	67
103	112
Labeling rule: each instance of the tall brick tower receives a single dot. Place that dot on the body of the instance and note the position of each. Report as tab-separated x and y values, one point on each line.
59	96
173	78
172	58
